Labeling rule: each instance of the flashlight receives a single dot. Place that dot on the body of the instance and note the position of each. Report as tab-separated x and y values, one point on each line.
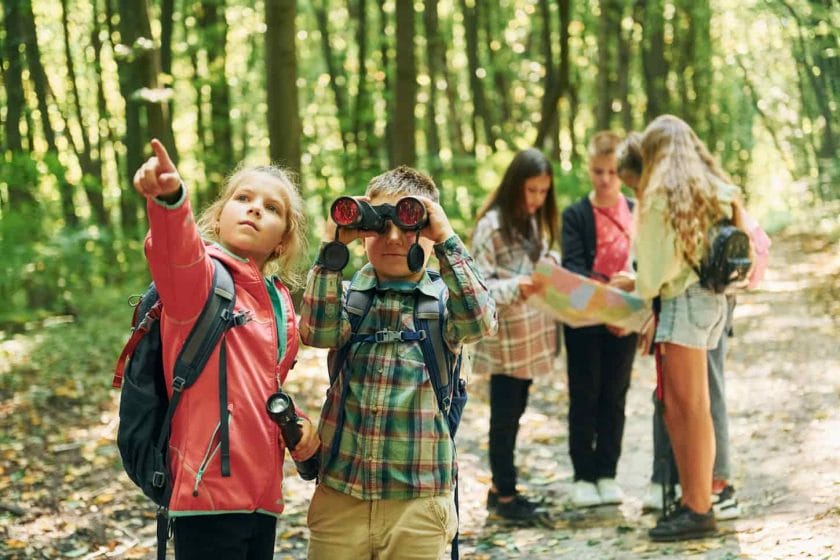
281	410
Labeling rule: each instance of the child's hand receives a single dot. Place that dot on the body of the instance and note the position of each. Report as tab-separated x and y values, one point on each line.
309	442
158	178
527	287
439	228
623	281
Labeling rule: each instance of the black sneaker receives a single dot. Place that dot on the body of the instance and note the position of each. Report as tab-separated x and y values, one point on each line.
519	509
684	524
492	500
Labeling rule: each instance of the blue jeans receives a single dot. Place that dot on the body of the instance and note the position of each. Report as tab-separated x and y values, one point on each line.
720	416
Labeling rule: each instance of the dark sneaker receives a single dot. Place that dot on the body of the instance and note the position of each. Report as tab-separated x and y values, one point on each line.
684	524
519	509
492	500
726	504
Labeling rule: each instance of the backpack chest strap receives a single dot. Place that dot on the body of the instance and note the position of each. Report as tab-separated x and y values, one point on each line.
390	336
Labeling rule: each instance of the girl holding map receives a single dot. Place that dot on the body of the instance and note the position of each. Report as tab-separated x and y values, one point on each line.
596	241
516	227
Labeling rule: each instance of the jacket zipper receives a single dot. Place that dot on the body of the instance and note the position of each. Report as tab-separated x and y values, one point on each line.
209	454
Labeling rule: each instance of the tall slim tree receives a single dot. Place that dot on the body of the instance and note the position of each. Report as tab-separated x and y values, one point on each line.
481	113
213	29
405	145
650	15
42	88
146	107
609	27
284	127
433	56
21	193
91	168
335	69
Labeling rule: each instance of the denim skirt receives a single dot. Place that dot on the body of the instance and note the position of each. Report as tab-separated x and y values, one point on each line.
695	318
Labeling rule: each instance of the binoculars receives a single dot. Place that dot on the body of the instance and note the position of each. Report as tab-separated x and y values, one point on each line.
408	214
281	410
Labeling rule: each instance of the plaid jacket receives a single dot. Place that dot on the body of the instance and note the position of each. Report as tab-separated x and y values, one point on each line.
395	442
526	342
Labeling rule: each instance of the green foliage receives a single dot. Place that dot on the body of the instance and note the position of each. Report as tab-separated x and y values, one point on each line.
72	360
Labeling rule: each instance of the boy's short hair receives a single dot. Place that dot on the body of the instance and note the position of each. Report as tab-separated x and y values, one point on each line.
403	180
629	154
603	143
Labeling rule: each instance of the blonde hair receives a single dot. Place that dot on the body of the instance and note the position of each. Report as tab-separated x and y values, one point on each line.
403	180
678	164
282	264
603	143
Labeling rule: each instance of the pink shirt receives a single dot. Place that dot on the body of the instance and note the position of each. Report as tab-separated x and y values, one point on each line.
613	233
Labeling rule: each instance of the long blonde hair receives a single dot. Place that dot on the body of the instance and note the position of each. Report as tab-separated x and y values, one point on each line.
676	162
282	264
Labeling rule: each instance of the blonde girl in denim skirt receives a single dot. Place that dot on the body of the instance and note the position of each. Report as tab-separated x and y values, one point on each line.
683	192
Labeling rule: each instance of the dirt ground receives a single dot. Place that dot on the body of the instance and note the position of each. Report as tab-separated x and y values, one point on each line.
783	384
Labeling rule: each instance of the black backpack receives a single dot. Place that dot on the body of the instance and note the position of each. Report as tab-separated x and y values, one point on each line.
727	261
443	364
145	409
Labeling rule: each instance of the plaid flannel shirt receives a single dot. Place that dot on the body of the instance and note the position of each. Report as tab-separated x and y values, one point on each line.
526	343
395	442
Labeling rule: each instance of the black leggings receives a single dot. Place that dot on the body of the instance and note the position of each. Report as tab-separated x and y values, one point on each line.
508	399
232	536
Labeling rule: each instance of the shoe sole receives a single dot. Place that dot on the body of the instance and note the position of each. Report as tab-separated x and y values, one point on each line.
728	514
706	533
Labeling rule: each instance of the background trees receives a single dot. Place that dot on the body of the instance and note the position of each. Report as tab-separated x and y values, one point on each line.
341	89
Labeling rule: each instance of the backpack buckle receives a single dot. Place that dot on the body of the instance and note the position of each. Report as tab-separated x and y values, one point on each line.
158	479
388	336
399	336
178	383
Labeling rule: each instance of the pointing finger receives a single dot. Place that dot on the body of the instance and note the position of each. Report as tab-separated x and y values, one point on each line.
164	161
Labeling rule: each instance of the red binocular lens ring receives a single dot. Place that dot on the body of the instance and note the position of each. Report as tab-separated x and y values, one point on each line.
345	211
410	212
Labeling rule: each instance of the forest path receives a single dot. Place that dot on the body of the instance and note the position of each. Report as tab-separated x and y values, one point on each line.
72	500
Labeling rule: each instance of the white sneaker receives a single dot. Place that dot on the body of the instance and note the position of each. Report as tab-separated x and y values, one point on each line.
585	494
609	491
726	504
653	497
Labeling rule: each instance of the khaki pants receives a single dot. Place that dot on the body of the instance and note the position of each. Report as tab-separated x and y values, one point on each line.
342	527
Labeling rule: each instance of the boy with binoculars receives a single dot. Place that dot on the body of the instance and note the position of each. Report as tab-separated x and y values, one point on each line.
388	460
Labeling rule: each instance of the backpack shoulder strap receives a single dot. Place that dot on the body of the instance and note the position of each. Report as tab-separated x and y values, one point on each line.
215	318
429	316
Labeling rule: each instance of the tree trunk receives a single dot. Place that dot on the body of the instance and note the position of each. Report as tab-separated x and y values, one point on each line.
480	111
284	127
167	10
335	68
609	27
548	115
363	113
138	73
549	126
219	157
814	66
650	14
625	46
42	92
20	193
91	169
433	55
105	133
405	149
386	83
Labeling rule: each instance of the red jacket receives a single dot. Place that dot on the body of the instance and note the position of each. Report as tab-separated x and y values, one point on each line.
182	271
